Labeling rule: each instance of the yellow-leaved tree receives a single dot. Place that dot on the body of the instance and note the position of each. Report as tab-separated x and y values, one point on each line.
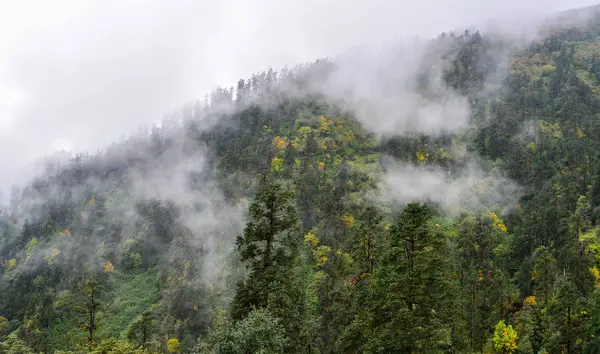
108	267
11	263
505	338
173	345
277	164
324	124
279	142
321	253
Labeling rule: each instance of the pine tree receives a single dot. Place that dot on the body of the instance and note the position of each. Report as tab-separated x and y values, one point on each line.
412	290
266	248
365	242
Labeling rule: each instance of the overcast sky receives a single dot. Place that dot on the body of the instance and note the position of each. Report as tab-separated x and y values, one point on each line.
77	74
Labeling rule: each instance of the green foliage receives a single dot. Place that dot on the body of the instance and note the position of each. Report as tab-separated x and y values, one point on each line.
89	265
12	344
141	329
544	274
410	296
135	295
3	326
30	246
267	248
259	333
115	346
365	241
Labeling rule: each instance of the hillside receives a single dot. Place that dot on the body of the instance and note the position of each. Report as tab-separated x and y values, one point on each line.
437	198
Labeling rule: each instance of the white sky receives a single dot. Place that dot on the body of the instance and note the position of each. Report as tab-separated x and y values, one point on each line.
78	74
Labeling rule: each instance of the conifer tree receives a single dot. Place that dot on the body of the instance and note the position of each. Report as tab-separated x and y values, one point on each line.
266	248
413	295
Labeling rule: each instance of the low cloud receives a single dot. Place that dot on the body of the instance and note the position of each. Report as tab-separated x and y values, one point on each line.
471	189
398	90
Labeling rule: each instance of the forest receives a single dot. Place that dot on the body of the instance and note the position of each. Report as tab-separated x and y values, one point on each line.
451	207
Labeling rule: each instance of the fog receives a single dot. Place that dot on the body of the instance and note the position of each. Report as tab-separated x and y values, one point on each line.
77	75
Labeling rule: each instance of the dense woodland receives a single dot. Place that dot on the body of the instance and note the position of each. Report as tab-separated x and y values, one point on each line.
248	223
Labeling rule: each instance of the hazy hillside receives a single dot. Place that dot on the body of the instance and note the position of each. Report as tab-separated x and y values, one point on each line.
437	196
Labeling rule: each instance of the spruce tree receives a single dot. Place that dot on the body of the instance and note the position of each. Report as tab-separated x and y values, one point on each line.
266	248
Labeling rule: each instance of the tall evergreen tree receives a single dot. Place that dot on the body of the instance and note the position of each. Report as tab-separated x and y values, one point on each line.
266	248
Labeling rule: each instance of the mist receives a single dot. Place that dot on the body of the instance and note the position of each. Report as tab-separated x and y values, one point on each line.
137	160
474	189
91	75
76	75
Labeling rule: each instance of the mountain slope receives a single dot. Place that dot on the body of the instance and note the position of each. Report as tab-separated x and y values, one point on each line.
428	208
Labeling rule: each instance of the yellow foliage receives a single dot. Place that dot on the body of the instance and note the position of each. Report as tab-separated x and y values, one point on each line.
11	263
311	239
30	246
548	68
530	300
552	130
498	224
183	274
276	164
505	338
324	126
321	165
494	217
295	143
196	308
279	142
533	275
580	134
532	147
480	275
348	221
422	157
173	345
108	267
92	202
349	136
596	274
321	254
50	259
